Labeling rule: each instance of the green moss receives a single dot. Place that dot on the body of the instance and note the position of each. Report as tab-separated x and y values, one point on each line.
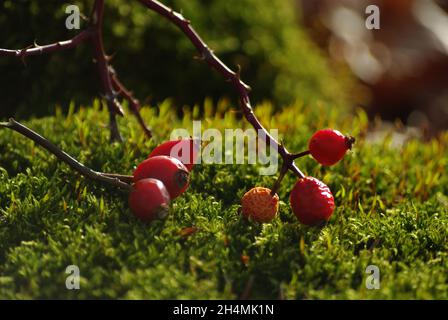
391	212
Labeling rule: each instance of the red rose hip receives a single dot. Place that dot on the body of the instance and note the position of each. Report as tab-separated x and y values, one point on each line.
149	200
329	146
312	201
185	150
169	170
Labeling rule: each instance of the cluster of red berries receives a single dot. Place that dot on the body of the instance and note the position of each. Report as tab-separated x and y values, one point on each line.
311	200
163	176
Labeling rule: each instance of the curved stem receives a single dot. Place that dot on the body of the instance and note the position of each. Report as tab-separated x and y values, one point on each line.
36	50
63	156
122	177
277	183
300	154
94	35
134	104
214	62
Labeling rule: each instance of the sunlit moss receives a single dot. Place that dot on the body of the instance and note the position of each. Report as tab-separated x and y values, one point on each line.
391	211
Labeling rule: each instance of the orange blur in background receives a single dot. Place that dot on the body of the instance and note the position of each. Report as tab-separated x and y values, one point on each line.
402	67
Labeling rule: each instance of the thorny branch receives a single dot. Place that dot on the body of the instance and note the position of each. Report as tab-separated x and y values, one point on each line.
36	49
112	88
109	80
134	104
207	55
63	156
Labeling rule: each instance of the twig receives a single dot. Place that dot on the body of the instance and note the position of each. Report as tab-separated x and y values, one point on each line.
301	154
134	104
36	50
63	156
94	35
122	177
103	68
214	62
110	82
277	183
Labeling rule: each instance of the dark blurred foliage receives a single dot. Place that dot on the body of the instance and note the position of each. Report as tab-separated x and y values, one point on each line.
403	66
155	60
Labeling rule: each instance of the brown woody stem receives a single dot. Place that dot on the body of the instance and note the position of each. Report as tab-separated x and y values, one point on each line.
63	156
36	50
300	154
103	67
110	82
214	62
134	104
94	35
122	177
277	183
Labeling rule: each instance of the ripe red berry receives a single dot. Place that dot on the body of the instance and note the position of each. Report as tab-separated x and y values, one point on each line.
311	201
149	200
177	148
329	146
259	205
169	170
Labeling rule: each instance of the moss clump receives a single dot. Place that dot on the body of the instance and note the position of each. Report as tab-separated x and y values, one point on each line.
392	212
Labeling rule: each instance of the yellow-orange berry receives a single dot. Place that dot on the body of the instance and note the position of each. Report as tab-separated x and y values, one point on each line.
259	205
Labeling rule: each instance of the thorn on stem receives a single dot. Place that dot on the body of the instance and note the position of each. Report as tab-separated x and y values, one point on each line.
238	71
109	57
111	70
206	54
196	57
84	17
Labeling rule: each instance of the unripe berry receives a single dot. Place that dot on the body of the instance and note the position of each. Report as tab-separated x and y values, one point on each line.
149	200
329	146
259	205
169	170
312	201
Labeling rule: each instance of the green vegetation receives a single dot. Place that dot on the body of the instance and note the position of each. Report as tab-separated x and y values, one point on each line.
155	60
392	211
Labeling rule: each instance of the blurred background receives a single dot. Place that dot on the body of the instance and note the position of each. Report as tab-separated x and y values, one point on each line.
402	68
306	50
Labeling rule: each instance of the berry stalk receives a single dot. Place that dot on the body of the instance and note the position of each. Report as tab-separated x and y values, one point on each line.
301	154
123	177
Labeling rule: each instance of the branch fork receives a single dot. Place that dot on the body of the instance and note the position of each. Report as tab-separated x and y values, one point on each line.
92	34
112	87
